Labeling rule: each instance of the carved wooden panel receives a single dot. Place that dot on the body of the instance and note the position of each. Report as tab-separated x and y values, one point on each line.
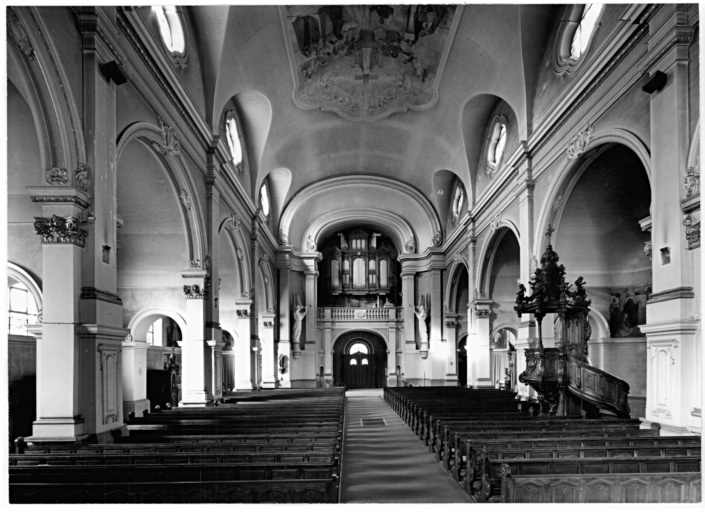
110	384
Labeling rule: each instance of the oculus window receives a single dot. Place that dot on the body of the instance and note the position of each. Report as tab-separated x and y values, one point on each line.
576	32
232	135
169	19
496	142
264	199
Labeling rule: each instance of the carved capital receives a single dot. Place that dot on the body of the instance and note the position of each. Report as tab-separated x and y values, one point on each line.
483	313
579	142
692	232
268	324
691	182
61	230
196	291
194	263
243	313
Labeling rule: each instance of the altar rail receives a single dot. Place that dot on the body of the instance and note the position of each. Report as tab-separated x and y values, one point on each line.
358	314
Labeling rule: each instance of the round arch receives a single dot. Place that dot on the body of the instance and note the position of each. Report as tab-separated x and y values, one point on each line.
177	171
265	268
341	336
233	226
140	323
332	221
360	370
451	295
571	170
489	251
19	274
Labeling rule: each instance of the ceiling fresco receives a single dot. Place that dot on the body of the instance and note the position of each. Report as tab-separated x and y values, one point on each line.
365	62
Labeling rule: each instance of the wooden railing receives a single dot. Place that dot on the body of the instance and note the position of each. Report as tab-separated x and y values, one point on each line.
600	388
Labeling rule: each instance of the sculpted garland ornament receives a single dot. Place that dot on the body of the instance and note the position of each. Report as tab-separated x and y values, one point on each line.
17	33
61	230
171	145
577	144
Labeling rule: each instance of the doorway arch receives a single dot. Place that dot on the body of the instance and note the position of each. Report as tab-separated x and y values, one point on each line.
359	360
462	367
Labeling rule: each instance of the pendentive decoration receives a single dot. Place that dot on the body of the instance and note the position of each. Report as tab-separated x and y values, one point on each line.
57	176
579	142
61	230
81	177
171	145
410	245
17	32
437	239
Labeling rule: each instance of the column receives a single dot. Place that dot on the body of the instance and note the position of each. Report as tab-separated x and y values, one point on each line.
213	332
451	327
216	360
243	346
526	333
479	345
672	332
134	377
59	411
195	353
269	356
328	355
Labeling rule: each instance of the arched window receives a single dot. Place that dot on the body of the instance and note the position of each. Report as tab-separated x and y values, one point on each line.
577	30
22	309
353	362
458	196
264	199
360	348
171	28
365	361
583	32
496	144
232	134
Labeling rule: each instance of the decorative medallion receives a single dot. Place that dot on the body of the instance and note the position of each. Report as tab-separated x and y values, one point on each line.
16	31
57	176
648	248
410	245
365	62
61	230
437	239
171	145
185	199
283	238
81	177
495	222
577	144
691	182
310	244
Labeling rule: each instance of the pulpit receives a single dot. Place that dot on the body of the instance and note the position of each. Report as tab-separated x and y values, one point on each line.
564	380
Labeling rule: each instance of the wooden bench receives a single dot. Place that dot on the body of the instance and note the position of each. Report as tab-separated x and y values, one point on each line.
670	487
137	492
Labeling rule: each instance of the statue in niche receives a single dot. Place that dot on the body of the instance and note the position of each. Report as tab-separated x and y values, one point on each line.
422	317
299	314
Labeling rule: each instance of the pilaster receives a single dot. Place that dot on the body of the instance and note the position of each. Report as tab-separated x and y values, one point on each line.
196	361
269	355
243	346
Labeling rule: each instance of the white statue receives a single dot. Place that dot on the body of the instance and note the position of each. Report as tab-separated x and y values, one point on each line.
420	312
299	314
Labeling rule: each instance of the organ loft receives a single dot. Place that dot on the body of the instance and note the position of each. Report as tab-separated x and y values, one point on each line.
366	253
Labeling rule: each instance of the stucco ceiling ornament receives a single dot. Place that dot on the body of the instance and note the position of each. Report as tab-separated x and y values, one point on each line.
371	64
57	176
17	32
81	177
171	145
185	199
579	142
310	244
410	245
61	230
437	239
495	222
283	238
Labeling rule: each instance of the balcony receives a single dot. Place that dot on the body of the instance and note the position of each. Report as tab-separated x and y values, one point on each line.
359	314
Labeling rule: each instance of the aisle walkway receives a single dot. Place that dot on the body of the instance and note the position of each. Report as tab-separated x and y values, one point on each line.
383	462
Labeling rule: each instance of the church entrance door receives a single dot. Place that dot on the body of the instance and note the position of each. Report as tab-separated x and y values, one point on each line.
360	370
